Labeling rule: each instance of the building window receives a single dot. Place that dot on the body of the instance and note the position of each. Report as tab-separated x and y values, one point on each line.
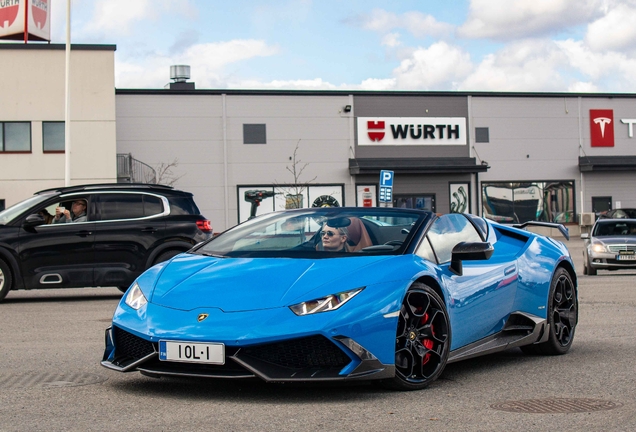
53	136
481	135
15	136
518	202
254	134
2	204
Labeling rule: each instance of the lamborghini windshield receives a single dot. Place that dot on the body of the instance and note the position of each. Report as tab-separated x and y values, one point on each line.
320	232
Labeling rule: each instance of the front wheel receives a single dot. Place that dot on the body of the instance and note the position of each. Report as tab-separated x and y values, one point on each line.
591	271
6	280
563	314
422	341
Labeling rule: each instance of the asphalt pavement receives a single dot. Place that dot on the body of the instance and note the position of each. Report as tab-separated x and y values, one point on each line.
51	343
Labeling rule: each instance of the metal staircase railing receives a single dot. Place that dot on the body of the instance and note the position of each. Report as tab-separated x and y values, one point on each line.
131	170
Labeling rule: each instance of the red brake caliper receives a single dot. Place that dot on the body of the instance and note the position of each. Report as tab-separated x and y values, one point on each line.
428	343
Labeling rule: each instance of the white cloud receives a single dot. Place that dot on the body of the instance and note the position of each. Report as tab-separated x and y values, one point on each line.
207	64
531	65
120	16
614	31
391	40
417	23
438	67
514	19
309	84
610	71
378	84
583	87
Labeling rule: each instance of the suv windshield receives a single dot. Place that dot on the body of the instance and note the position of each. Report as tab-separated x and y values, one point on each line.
319	232
16	210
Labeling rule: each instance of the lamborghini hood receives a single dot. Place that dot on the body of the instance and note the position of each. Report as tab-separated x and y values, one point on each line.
242	284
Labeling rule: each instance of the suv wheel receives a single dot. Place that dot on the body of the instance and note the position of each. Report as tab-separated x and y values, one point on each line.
6	280
165	256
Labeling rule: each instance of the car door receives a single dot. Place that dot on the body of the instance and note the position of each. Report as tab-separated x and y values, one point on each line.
129	226
481	297
58	255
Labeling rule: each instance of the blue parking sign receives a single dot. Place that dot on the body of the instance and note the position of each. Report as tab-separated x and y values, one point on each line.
386	186
386	178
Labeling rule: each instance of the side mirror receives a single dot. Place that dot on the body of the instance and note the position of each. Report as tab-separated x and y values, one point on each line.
466	251
32	221
585	236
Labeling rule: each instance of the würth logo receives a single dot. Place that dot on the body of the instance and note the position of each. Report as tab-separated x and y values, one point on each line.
39	10
374	127
8	12
602	128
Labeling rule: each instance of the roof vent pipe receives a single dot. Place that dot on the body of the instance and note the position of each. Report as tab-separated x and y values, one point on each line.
180	73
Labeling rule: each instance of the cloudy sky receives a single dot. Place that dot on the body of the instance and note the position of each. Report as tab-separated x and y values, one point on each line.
445	45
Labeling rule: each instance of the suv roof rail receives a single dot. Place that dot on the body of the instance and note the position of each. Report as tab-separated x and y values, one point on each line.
87	187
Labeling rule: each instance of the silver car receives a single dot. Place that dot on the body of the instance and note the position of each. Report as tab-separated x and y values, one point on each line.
610	246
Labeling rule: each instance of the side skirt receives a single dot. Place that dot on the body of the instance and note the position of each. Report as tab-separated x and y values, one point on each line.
520	329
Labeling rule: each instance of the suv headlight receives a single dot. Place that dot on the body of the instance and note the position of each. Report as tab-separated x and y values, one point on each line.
135	297
324	304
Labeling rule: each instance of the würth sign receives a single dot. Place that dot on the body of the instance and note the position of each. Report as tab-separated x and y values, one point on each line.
411	131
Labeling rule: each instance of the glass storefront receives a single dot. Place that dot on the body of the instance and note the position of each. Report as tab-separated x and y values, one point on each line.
517	202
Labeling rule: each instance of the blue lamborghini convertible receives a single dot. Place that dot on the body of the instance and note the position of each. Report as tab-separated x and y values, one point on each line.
347	294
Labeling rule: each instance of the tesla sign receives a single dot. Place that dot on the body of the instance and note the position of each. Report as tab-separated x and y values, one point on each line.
32	17
602	128
411	131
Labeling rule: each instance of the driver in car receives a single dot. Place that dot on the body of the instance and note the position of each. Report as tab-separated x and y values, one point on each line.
334	239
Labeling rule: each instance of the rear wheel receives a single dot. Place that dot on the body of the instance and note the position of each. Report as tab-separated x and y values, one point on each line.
6	280
563	316
422	341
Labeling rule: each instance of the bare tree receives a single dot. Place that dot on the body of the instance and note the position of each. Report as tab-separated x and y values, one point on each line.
294	192
164	174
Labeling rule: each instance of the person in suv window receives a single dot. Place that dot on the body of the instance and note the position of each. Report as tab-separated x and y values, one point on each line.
79	213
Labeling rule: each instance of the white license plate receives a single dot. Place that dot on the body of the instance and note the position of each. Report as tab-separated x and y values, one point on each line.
626	257
191	352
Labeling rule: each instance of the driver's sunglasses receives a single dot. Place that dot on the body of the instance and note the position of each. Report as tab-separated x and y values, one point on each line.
328	233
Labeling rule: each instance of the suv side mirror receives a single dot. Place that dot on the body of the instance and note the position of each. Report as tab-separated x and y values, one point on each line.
585	236
32	221
469	251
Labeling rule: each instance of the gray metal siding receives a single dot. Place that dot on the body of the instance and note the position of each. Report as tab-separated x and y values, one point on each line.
161	128
618	185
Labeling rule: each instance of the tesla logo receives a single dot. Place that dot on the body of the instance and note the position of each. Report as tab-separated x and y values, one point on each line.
602	128
373	127
8	12
39	9
602	121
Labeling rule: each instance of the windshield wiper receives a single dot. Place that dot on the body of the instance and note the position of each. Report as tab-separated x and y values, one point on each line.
210	254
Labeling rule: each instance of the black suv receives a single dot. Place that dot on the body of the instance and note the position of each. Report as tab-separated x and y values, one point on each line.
128	228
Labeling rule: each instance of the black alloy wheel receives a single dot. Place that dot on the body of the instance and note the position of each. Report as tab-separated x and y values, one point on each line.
423	339
563	314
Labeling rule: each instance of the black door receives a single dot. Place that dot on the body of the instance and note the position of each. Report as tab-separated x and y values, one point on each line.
129	227
57	255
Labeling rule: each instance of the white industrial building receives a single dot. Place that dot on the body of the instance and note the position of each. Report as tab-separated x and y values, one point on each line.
508	156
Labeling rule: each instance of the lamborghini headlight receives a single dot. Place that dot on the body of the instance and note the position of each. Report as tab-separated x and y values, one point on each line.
598	247
324	304
135	297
